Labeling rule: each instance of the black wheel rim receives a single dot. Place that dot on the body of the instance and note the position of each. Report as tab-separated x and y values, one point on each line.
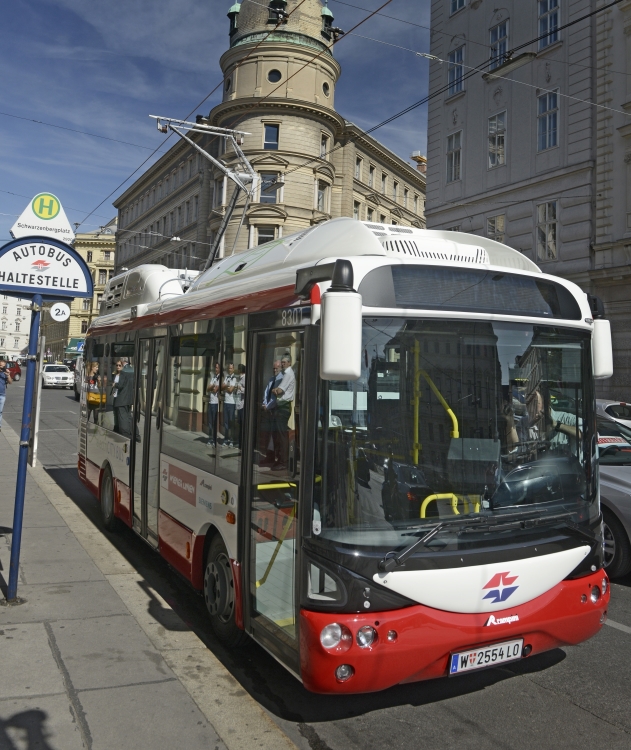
218	588
609	545
108	497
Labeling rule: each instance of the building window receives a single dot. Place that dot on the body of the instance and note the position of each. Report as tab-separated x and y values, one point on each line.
324	146
455	6
382	218
548	22
16	343
356	210
4	325
384	183
371	176
495	226
323	190
455	71
497	140
547	120
369	214
102	276
454	228
99	298
195	207
4	309
1	342
269	187
406	196
265	234
17	326
89	256
18	311
86	303
454	153
84	326
395	191
188	213
358	168
547	231
499	44
107	255
271	137
416	204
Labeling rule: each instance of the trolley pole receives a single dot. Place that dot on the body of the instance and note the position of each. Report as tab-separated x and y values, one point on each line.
18	513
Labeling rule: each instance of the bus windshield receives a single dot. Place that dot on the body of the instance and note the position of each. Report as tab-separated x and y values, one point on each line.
455	418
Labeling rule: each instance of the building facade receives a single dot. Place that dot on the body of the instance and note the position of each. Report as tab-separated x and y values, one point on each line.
15	319
536	151
311	164
98	249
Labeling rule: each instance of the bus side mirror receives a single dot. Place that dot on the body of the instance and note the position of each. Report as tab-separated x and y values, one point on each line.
602	349
341	327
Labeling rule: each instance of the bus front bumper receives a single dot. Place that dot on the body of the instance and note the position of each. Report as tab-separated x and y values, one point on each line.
563	616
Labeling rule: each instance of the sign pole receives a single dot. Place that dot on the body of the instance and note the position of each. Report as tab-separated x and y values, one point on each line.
18	513
32	452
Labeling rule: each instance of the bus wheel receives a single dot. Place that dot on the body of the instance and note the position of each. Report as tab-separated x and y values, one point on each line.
107	502
219	595
617	549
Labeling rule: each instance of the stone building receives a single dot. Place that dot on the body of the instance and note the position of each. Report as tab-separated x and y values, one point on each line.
279	87
15	320
536	152
98	249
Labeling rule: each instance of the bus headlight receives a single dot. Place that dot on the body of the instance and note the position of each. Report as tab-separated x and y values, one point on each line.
595	595
366	636
336	636
604	586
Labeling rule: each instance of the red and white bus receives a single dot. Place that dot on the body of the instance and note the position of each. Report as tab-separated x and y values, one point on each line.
372	448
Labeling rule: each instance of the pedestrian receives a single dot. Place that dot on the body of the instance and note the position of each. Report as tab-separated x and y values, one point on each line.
5	380
229	389
94	397
284	392
213	404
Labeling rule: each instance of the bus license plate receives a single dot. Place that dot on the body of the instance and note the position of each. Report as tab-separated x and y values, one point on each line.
488	656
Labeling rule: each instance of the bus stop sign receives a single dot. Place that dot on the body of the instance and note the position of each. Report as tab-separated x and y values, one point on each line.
45	266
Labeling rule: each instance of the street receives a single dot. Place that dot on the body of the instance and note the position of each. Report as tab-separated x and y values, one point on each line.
567	698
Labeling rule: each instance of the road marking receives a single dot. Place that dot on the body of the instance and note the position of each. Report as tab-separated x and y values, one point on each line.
618	626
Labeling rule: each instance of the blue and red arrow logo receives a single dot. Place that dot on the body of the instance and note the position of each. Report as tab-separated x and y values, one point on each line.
501	587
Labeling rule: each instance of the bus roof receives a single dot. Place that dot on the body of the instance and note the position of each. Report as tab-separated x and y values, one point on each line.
270	269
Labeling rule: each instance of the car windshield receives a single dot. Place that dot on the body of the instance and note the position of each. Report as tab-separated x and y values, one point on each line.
455	418
619	411
56	368
614	443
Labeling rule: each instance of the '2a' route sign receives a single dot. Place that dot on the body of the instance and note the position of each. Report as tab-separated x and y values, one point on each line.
46	266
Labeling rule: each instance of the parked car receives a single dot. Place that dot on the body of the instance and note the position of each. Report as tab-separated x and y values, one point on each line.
15	371
57	376
78	377
619	411
614	459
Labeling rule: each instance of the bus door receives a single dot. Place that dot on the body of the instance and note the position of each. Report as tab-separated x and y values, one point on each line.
148	414
272	487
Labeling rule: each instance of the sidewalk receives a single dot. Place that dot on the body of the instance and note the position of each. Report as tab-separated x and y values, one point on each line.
84	661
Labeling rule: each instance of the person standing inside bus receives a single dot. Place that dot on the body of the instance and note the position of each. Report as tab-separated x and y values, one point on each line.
5	380
284	401
229	389
268	418
240	399
123	398
213	405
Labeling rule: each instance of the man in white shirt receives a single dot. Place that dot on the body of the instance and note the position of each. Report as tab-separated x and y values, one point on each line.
213	404
284	393
240	399
229	388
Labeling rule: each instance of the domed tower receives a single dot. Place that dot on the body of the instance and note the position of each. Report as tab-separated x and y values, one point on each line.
279	87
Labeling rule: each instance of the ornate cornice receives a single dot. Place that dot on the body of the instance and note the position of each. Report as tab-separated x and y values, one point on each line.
239	106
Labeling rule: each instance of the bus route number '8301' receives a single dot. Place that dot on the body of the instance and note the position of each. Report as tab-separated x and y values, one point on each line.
291	316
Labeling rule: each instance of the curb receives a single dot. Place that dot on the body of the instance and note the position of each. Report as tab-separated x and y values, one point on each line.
236	717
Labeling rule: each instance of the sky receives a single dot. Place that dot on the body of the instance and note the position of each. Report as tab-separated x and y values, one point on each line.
104	66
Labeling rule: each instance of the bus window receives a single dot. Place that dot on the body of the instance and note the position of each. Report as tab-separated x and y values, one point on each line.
189	430
232	399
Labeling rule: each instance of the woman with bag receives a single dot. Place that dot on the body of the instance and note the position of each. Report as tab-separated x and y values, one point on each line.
94	397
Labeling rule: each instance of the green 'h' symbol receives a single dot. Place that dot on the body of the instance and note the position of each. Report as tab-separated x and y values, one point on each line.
45	206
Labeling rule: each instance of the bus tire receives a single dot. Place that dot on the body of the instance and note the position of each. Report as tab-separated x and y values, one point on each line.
617	547
219	595
107	501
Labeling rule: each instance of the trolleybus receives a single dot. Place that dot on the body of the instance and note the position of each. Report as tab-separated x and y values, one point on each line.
371	448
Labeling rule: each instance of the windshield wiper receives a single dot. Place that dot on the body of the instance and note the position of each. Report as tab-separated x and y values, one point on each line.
393	560
533	522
